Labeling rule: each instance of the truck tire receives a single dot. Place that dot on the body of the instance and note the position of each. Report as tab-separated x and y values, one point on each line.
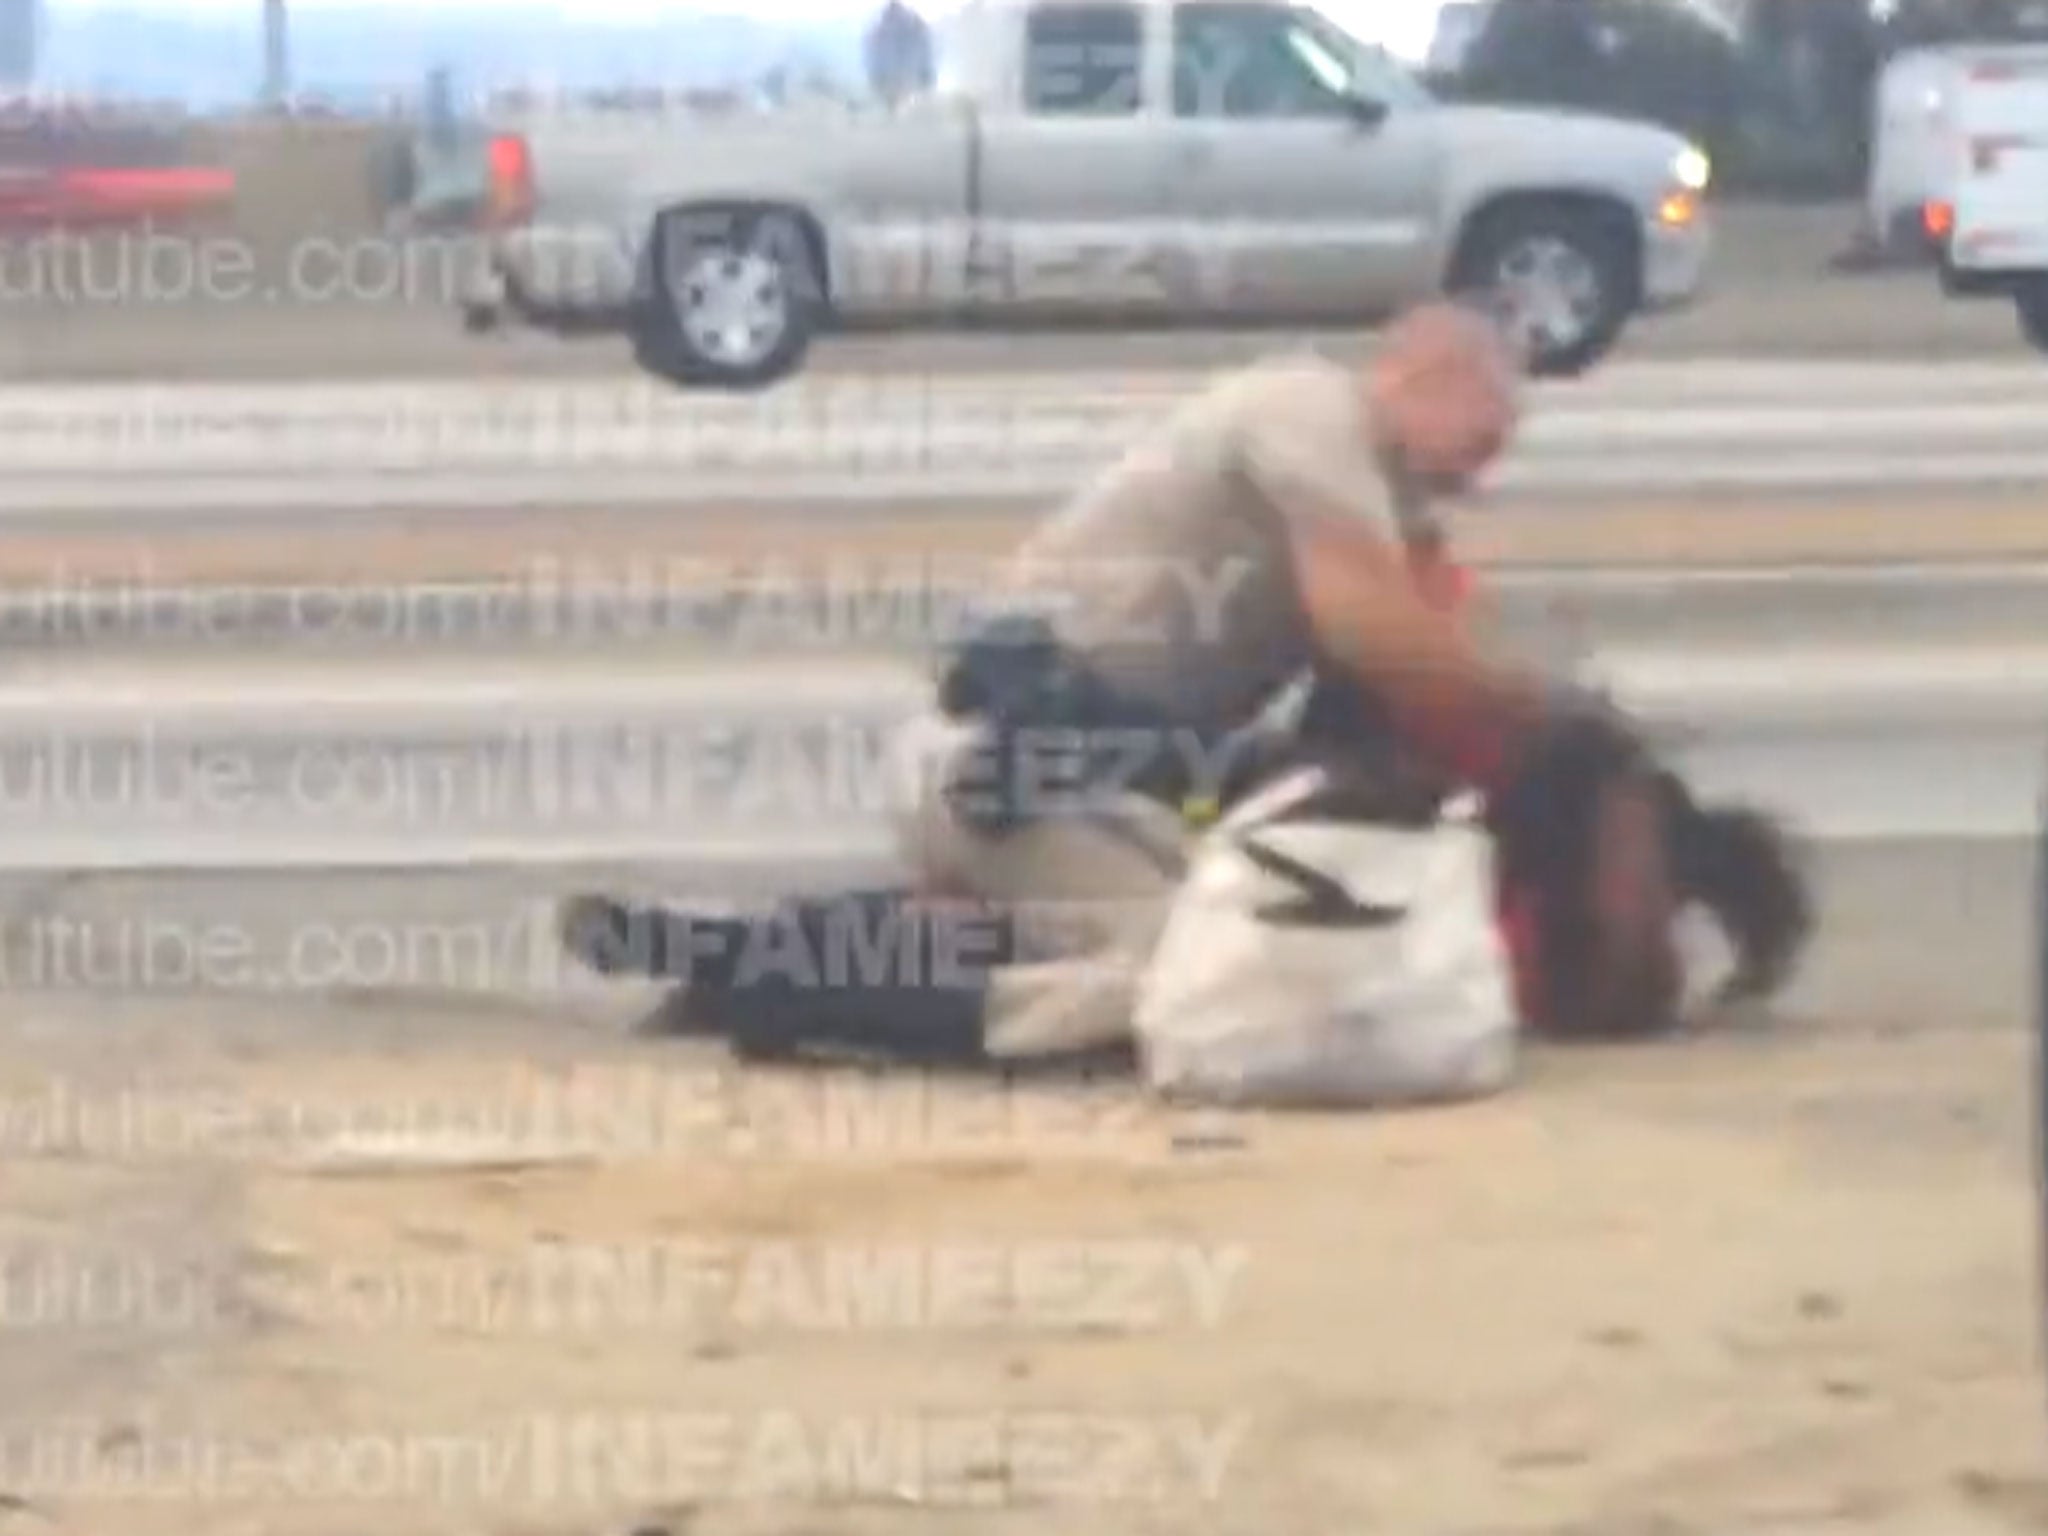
2031	302
1563	273
732	299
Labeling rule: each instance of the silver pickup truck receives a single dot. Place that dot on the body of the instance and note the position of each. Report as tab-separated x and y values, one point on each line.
1108	161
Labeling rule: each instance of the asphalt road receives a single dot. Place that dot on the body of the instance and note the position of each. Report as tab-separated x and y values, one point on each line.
303	287
1803	314
1773	293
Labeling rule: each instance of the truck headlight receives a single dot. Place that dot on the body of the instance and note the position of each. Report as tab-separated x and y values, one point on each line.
1691	169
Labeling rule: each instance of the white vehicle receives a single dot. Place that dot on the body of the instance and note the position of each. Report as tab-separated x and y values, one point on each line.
1991	228
1914	102
1909	148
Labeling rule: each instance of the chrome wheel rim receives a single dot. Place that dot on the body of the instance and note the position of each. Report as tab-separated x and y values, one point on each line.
732	306
1550	294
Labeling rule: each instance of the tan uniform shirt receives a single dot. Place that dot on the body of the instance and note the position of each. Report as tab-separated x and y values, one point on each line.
1171	573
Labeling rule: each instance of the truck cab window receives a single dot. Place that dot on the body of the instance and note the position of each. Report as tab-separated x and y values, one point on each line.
1252	60
1083	61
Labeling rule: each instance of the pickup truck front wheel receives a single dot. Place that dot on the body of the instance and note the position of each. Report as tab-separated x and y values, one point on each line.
730	302
1561	276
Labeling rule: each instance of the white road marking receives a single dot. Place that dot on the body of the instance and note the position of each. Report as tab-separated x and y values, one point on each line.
323	696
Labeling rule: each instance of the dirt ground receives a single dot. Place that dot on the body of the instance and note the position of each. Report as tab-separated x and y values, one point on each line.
495	1266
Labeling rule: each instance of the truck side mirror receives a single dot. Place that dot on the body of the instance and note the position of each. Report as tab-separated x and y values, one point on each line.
1364	112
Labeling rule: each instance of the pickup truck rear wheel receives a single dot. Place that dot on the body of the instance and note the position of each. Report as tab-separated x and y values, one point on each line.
2032	303
1563	277
731	301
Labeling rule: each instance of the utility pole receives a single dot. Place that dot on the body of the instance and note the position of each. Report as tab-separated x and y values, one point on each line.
276	54
20	32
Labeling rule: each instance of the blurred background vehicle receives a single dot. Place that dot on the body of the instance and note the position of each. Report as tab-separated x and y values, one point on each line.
69	166
1793	98
1988	223
1935	51
1910	152
1774	89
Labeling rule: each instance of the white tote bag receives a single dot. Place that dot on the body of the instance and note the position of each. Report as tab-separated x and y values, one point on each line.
1313	961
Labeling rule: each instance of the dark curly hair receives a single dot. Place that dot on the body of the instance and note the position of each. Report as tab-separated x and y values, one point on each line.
1590	971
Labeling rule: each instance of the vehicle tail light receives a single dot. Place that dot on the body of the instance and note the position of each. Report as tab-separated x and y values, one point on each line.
511	179
1938	218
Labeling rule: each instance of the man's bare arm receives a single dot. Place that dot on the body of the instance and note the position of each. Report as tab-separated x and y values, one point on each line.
1369	618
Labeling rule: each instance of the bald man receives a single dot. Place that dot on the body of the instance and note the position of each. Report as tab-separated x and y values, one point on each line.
1281	525
1285	518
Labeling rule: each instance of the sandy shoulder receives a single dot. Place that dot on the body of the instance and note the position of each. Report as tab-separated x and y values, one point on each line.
1748	1281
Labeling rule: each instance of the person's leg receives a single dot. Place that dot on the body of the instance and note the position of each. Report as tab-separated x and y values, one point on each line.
748	976
1086	894
1014	946
883	969
663	942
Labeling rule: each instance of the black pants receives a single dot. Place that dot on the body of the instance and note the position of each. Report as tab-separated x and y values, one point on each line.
881	972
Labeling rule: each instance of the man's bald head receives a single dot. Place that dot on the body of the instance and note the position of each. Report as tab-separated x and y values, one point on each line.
1441	394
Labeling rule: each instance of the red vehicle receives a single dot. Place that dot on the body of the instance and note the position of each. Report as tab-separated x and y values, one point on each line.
63	170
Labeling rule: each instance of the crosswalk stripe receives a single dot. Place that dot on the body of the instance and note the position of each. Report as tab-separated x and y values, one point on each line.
451	445
324	702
